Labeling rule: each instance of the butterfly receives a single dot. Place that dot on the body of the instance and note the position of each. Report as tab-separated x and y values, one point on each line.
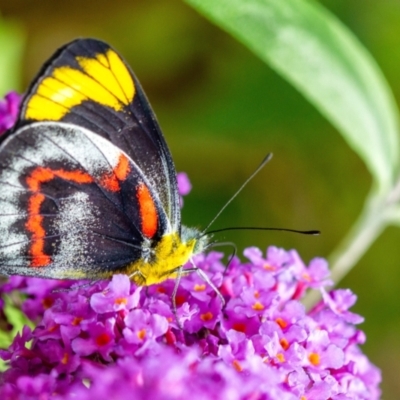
88	185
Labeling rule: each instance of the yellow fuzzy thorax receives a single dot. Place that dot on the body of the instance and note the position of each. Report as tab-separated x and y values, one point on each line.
165	258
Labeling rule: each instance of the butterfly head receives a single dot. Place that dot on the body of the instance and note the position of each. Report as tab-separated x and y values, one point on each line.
201	241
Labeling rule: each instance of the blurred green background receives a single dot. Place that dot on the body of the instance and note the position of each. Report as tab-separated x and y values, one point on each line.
222	110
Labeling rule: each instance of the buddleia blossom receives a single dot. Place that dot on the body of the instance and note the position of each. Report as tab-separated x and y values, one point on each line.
113	339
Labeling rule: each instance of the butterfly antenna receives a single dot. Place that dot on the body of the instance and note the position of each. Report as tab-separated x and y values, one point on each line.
256	228
264	161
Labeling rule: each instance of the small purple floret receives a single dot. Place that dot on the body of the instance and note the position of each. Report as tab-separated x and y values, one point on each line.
184	185
9	108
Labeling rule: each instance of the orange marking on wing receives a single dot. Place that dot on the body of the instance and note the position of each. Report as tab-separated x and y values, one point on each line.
34	226
147	211
122	169
119	173
74	176
110	182
34	223
38	176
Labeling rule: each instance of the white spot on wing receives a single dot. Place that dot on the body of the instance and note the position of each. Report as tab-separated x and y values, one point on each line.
75	222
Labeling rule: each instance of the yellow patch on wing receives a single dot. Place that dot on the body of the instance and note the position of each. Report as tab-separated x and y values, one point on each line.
104	79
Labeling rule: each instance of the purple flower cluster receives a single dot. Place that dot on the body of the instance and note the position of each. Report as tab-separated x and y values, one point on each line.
116	340
9	108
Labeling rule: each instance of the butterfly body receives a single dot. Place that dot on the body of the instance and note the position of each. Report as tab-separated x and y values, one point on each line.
87	183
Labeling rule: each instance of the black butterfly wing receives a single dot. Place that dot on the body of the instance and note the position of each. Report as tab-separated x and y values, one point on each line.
88	84
73	205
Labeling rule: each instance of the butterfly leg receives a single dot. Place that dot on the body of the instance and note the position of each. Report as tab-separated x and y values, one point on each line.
173	297
205	278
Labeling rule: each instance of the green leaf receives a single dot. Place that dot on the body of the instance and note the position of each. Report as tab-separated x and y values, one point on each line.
318	55
11	49
17	319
